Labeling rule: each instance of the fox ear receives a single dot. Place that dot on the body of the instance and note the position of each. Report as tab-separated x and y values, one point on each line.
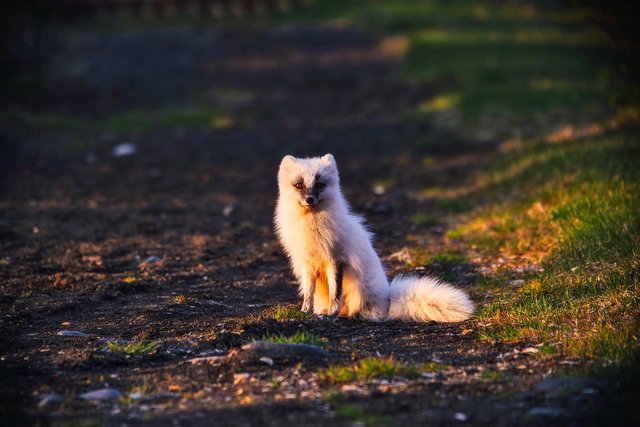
328	159
287	161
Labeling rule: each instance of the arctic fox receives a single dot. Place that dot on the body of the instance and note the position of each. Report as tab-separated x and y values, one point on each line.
332	256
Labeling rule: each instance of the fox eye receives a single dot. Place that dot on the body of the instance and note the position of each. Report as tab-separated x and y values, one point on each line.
298	185
320	185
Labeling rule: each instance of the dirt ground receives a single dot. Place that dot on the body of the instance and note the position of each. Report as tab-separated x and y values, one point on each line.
77	224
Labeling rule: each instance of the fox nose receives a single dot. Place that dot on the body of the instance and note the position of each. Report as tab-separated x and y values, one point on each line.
310	200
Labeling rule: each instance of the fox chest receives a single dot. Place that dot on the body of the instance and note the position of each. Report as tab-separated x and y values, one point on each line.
317	243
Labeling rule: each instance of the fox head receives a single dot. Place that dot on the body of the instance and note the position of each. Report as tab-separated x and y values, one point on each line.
312	182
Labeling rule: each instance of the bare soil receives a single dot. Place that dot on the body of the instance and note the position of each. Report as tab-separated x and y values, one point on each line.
76	221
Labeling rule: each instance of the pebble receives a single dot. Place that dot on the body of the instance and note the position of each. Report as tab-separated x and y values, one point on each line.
462	417
50	401
67	333
101	395
267	360
149	261
124	149
378	190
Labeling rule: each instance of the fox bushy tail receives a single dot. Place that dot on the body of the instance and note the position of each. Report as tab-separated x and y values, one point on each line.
424	298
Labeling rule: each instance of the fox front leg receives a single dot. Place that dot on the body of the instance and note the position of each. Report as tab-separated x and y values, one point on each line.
334	278
308	287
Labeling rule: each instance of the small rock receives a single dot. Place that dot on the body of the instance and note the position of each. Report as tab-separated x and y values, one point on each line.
547	412
124	149
50	401
228	210
530	350
378	190
459	416
516	283
267	360
149	261
101	395
67	333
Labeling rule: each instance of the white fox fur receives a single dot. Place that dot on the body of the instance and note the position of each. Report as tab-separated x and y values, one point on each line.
330	248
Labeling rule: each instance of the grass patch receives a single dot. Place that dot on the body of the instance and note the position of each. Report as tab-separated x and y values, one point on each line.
280	313
289	313
433	367
369	369
138	348
335	396
355	414
300	337
573	208
496	376
446	259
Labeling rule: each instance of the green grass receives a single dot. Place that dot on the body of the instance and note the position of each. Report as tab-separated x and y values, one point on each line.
289	313
300	337
448	258
138	348
369	369
496	376
281	313
433	367
335	396
136	121
356	414
573	208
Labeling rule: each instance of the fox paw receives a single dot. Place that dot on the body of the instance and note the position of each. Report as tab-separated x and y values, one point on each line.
306	307
333	310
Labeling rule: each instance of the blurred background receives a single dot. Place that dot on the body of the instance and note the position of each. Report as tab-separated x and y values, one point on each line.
491	143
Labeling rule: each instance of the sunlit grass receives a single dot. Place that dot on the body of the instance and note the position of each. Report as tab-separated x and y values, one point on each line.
137	348
280	312
300	337
448	258
371	368
358	416
574	209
